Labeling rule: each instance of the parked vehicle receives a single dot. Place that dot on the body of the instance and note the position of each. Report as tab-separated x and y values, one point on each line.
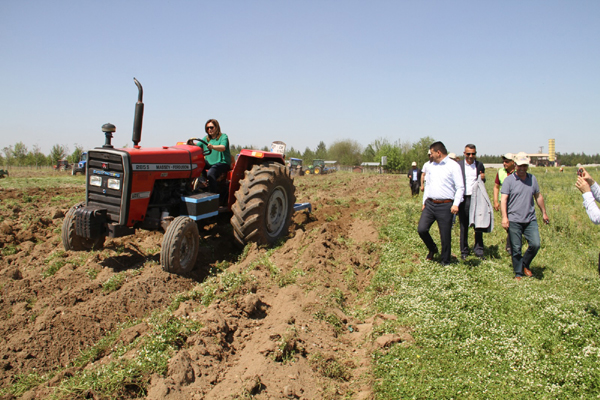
61	165
318	168
295	166
80	166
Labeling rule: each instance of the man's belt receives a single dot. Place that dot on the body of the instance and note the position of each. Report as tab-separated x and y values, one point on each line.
441	201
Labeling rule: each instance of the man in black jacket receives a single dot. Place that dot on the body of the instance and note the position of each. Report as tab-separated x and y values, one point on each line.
414	175
471	170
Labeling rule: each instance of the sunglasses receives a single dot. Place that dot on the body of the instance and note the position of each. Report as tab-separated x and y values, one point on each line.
470	154
210	127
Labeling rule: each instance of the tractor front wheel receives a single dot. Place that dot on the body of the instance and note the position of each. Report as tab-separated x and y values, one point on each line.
264	205
307	172
180	246
72	241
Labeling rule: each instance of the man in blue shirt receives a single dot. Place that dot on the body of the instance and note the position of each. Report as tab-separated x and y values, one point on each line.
518	214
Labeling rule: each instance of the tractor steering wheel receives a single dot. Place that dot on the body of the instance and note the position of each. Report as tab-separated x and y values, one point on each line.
205	152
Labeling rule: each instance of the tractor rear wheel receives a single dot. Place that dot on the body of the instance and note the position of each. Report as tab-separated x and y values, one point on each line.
264	205
72	241
180	246
317	170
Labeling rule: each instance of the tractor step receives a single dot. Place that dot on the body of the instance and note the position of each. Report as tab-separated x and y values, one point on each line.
303	206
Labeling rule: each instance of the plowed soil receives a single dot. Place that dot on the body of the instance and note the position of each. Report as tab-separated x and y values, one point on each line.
279	336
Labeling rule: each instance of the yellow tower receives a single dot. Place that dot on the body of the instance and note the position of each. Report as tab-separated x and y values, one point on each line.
551	150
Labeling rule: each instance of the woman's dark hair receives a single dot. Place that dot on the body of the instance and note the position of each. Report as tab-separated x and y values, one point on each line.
217	127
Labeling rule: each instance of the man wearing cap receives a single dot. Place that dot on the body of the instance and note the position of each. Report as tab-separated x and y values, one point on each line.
509	168
443	194
471	171
519	191
414	175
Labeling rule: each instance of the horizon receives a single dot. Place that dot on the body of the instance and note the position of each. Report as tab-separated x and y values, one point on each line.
504	76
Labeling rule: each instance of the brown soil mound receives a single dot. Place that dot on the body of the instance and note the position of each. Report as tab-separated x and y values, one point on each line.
288	333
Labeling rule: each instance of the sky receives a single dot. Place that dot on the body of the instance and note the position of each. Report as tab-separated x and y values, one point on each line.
505	75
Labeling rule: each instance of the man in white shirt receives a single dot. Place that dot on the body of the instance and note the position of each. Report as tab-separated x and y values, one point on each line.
471	170
424	171
442	196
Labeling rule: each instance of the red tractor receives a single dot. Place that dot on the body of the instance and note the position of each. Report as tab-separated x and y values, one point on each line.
61	165
154	188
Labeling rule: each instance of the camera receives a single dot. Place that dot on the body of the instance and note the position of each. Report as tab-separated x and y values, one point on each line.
580	172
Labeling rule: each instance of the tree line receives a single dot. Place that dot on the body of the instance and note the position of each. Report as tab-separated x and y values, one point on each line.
399	154
19	155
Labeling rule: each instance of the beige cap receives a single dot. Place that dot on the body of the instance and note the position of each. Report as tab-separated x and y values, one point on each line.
521	158
414	163
429	152
509	156
452	155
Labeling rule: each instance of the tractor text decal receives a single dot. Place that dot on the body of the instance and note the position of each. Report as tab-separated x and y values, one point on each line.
140	195
161	167
107	173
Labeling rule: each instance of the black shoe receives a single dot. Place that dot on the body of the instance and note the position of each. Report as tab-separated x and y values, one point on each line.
445	264
464	256
431	254
481	257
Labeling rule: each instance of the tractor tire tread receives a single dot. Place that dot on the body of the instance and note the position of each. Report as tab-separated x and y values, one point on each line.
70	239
249	214
170	247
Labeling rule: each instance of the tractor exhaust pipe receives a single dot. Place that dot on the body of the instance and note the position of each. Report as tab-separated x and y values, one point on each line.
136	137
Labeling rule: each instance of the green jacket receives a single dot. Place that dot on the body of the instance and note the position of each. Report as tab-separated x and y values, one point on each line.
218	157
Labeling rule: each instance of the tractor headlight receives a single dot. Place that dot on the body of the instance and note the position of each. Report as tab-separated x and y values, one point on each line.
114	184
95	180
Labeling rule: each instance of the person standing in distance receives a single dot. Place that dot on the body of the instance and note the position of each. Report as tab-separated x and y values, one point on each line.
518	214
471	169
442	196
509	168
414	176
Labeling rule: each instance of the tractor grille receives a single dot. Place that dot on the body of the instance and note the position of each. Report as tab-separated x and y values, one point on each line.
108	183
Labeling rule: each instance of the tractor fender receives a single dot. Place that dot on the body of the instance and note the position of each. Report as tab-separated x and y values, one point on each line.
244	162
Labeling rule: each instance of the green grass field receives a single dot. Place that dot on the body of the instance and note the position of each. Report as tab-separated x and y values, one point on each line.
481	334
478	333
43	177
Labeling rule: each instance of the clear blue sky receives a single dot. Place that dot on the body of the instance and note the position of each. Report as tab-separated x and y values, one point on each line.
505	75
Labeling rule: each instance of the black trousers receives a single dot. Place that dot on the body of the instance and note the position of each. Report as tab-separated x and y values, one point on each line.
463	215
414	187
440	213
